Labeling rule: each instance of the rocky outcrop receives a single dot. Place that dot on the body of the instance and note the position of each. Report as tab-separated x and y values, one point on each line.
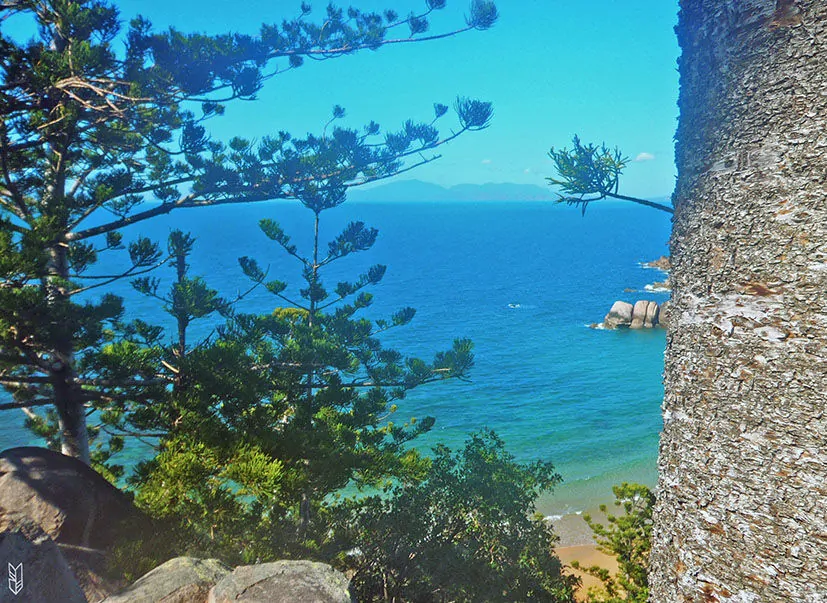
70	501
662	263
664	317
79	510
283	582
652	313
37	570
179	580
659	287
619	316
639	314
59	517
191	580
644	314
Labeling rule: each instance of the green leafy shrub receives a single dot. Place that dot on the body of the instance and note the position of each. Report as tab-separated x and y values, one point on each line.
628	537
464	533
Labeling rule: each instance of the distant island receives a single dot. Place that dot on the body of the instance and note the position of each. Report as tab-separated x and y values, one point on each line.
417	190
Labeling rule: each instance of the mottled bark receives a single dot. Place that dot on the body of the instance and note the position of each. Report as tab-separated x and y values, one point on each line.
68	399
742	507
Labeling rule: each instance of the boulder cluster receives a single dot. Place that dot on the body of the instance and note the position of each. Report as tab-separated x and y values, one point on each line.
644	314
59	519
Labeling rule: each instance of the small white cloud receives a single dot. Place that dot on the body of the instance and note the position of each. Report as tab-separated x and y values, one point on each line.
486	161
644	157
527	171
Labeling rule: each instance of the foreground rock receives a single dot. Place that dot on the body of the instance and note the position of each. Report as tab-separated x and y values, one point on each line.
78	509
37	570
179	580
70	501
644	314
283	582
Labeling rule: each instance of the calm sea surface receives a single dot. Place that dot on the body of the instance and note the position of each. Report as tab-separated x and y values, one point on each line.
523	281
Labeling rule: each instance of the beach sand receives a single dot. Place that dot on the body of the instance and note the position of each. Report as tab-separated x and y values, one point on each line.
577	544
587	555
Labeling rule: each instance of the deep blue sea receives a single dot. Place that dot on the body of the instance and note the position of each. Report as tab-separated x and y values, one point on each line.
523	281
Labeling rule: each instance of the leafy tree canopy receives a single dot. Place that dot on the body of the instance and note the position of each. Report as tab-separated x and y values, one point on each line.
463	533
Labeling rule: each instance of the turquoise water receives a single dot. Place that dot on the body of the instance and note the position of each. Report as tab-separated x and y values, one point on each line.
523	280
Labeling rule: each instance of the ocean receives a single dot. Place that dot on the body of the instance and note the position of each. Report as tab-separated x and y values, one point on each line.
523	280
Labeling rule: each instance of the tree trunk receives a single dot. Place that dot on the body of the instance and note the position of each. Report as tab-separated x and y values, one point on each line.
742	506
69	404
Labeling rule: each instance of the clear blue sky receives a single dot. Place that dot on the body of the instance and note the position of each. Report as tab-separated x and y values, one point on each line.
605	69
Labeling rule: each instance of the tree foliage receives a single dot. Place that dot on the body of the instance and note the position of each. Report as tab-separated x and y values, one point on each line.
463	533
587	173
278	412
91	132
627	537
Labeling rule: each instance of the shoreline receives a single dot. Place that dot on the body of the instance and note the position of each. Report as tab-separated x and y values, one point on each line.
576	543
572	530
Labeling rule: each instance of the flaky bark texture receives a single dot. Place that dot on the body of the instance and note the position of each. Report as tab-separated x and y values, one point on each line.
742	507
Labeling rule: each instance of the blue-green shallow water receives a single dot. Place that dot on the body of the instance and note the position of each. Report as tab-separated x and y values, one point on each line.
523	280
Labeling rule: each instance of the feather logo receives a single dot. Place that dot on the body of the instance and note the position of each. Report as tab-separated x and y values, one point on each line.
16	578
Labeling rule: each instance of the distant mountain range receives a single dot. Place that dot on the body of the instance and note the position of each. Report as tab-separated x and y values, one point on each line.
416	190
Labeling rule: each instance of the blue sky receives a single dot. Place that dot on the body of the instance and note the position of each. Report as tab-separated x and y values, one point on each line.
604	69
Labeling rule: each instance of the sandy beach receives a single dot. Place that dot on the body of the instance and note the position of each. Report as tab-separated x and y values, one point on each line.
587	555
577	544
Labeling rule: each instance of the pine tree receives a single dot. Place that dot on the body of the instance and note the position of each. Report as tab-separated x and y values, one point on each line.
279	411
90	134
587	173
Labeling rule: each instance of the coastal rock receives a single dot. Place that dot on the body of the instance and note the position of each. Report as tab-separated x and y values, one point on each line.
662	263
659	287
619	315
639	314
651	318
76	507
179	580
283	582
644	314
36	567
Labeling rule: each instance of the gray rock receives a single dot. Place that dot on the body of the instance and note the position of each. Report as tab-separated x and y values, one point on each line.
70	501
619	316
283	582
76	507
652	312
179	580
639	314
40	569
